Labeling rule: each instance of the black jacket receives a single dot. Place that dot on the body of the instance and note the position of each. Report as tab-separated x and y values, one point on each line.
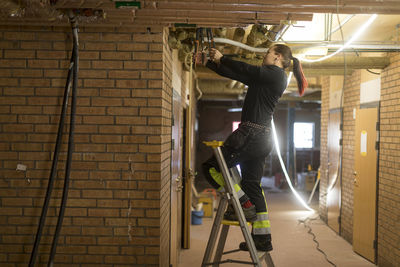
265	86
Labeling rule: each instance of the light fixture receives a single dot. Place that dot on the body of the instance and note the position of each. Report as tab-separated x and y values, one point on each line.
234	109
352	39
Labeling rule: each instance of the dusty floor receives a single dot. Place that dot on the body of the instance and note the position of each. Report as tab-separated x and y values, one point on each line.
293	246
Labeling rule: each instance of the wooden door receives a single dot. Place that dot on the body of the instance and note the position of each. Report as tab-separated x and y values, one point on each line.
365	179
334	181
176	182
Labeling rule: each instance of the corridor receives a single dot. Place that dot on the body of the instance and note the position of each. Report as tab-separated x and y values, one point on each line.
293	245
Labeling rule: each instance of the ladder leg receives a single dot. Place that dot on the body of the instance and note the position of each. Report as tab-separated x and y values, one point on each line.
246	231
231	195
214	231
236	205
221	244
268	260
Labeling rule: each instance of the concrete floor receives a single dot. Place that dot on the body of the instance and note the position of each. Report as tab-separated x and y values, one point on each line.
293	246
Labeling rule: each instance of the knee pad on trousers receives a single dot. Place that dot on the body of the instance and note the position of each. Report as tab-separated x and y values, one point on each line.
206	170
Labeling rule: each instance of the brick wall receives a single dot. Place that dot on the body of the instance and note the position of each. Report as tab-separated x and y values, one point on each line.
389	160
351	101
118	207
323	212
389	166
166	103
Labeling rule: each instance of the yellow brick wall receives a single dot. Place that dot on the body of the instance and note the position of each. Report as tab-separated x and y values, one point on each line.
389	160
118	207
165	149
324	148
351	101
389	166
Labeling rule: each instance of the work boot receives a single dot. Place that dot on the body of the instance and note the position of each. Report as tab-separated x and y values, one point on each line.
261	242
249	213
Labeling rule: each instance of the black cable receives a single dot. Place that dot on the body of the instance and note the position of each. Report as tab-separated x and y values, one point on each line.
314	237
339	169
64	199
54	164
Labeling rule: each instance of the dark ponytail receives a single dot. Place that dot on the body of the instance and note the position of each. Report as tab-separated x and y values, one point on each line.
286	53
299	74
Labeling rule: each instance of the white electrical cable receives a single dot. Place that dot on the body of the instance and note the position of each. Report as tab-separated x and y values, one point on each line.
241	45
352	39
289	78
347	44
284	168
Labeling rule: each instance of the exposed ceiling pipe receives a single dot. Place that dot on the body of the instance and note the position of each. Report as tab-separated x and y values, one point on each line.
9	8
377	47
238	37
275	33
28	8
346	19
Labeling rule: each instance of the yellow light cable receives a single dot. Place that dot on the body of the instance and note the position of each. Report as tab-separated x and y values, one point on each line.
284	168
349	42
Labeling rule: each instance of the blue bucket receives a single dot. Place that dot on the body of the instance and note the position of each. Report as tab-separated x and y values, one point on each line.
197	217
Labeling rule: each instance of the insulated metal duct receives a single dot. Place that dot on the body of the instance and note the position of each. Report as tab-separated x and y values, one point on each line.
45	11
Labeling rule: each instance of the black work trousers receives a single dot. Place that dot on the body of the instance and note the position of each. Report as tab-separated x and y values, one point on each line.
248	147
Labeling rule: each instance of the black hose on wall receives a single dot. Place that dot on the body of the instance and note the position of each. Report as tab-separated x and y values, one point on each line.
70	142
72	73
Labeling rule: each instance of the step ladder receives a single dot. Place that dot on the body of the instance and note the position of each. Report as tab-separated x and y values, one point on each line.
230	195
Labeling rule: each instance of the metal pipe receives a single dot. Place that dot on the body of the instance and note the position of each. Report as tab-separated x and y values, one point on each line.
380	47
346	19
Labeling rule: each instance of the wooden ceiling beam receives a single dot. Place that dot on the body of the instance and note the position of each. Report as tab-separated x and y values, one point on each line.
291	3
192	14
359	6
221	22
299	7
222	13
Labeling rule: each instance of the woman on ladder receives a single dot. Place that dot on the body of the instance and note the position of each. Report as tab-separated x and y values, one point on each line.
251	143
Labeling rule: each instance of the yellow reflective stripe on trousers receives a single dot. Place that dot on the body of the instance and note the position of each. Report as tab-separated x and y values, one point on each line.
217	176
238	190
266	206
219	179
262	225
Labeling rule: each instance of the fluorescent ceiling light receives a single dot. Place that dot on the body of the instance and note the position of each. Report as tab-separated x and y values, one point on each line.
352	39
235	110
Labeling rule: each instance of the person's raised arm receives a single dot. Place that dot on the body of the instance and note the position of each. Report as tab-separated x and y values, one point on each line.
224	71
232	69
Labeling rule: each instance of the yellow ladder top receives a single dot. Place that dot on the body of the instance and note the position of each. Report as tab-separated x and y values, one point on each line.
213	144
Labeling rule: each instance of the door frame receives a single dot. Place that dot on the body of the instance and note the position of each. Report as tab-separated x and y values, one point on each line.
176	181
